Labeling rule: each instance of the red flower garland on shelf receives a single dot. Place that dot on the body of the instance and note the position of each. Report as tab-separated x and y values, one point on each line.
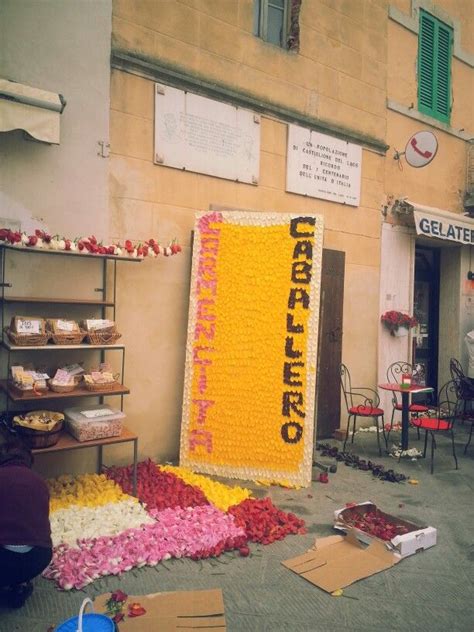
87	245
393	320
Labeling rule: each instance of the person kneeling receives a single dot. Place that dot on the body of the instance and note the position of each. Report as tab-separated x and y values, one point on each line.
25	532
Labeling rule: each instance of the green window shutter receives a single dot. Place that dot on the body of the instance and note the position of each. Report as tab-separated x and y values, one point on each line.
434	68
443	74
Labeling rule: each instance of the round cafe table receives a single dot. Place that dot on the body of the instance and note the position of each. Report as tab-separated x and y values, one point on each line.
406	393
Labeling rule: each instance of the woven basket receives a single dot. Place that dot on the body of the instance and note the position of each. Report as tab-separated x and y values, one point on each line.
103	338
40	438
104	386
61	388
27	340
70	338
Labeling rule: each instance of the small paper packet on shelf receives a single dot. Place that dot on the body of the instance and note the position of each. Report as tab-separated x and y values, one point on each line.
28	325
62	326
98	324
27	379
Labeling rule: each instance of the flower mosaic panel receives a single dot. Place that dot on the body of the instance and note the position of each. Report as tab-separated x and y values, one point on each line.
248	406
99	530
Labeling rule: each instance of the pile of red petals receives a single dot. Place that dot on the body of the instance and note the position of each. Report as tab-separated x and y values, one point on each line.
265	523
157	489
375	524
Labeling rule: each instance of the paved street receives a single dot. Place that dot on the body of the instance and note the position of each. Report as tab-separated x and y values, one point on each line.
429	591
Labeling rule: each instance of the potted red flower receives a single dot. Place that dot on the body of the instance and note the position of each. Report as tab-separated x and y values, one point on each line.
398	323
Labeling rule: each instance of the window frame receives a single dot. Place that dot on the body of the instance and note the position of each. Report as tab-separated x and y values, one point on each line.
261	22
431	67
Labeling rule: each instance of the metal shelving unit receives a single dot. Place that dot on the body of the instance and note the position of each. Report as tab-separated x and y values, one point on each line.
107	301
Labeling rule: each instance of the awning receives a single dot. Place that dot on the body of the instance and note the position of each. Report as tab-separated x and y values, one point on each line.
35	111
438	223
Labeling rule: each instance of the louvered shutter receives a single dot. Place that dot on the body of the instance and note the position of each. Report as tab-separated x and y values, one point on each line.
434	67
426	63
443	73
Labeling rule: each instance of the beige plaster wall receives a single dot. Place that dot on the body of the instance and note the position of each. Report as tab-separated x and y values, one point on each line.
338	74
148	199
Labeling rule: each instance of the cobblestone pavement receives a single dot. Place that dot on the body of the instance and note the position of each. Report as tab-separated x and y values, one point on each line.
430	591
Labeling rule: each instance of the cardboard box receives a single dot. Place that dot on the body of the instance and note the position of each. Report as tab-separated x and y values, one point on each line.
338	561
182	611
415	539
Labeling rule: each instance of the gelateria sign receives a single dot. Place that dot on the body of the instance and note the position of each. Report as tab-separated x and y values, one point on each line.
432	222
250	378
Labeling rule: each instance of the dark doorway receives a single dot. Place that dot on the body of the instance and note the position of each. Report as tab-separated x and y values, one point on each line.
328	388
426	310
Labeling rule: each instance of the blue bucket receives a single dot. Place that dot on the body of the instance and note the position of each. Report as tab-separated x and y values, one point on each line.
90	622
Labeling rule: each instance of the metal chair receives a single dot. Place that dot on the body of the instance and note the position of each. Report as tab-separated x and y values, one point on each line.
361	402
464	414
394	375
440	419
465	389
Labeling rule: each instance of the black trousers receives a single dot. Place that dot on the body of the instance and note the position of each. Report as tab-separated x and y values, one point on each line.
16	568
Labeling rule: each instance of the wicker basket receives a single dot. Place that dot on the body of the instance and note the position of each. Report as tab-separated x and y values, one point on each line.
61	388
40	438
27	340
109	337
101	387
69	338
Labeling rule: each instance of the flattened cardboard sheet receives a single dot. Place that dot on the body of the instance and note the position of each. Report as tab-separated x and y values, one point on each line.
182	611
338	561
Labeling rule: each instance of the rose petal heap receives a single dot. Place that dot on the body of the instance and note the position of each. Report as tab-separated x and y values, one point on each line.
77	523
99	530
220	495
265	523
88	490
157	489
174	533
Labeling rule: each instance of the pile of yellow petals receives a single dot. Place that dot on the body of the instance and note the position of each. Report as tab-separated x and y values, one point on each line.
87	490
220	495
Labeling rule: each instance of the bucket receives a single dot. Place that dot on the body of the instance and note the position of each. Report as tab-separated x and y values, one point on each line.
90	622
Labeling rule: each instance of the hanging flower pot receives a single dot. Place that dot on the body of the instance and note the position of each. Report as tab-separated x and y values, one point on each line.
398	323
400	332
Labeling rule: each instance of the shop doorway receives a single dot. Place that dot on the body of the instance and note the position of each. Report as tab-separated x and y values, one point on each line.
328	388
426	310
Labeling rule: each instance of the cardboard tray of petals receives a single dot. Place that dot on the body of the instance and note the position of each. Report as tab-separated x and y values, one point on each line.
368	522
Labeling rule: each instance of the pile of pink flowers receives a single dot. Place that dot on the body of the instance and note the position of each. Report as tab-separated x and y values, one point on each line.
180	522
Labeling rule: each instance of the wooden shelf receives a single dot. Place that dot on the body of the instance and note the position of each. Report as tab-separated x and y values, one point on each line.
29	396
68	253
59	301
68	442
48	347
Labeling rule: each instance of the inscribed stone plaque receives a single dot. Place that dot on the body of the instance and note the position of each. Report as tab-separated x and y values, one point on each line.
206	136
321	166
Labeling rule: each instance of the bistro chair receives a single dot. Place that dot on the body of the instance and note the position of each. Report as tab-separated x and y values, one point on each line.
440	419
465	390
463	413
394	375
360	402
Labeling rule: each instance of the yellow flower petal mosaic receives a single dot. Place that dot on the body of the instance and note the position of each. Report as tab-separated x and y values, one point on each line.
220	495
248	407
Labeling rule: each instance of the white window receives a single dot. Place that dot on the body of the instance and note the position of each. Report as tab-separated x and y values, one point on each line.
271	21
